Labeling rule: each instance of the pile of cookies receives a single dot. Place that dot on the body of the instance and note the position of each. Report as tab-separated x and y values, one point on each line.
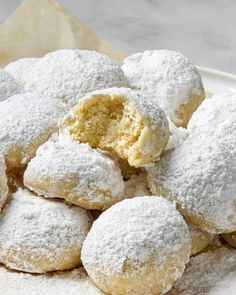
127	170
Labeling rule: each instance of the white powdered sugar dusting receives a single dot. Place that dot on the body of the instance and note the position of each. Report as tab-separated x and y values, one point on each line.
3	182
135	230
201	173
74	282
177	136
212	272
168	76
226	286
91	172
69	74
201	176
34	229
20	68
26	121
212	113
8	85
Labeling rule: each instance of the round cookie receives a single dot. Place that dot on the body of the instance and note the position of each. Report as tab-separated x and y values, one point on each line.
40	235
77	173
69	74
3	182
8	85
122	121
200	239
170	77
201	173
27	120
230	238
138	246
20	68
212	113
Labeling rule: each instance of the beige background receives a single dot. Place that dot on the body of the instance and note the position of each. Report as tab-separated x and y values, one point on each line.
204	30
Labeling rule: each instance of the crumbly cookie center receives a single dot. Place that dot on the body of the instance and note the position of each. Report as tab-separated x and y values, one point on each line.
109	124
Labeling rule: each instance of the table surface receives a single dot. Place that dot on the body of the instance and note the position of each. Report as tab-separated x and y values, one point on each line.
203	30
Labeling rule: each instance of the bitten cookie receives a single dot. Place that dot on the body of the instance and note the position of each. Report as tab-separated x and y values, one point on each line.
138	246
122	121
170	77
39	235
77	173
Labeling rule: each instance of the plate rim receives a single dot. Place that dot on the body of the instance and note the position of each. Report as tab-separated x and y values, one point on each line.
217	73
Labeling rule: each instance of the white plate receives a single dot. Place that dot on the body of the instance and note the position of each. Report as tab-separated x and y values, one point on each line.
217	82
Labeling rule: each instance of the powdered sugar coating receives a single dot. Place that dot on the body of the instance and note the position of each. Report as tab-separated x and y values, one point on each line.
226	285
168	76
75	171
39	235
26	121
20	68
201	173
69	74
8	85
3	182
206	271
74	282
134	231
212	113
177	136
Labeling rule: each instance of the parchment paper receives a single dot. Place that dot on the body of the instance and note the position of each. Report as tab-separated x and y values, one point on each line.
41	26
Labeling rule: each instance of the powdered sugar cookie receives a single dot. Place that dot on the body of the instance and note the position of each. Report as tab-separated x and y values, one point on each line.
26	121
8	85
121	121
200	239
209	273
20	68
75	282
3	182
70	74
201	173
213	113
128	250
77	173
40	235
170	77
